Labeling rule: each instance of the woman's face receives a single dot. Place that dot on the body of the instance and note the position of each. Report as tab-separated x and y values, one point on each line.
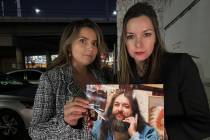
140	38
84	47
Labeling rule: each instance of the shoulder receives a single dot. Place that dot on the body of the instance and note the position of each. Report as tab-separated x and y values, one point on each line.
177	59
177	68
149	129
58	73
176	56
148	133
52	73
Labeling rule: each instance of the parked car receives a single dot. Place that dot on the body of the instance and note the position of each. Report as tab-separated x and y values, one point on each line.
16	101
30	75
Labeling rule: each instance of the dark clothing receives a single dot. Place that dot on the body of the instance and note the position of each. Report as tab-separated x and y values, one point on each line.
187	114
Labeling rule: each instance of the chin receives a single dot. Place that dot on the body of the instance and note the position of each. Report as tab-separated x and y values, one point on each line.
140	59
88	63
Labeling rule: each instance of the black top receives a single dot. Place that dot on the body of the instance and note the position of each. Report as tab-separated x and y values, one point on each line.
187	114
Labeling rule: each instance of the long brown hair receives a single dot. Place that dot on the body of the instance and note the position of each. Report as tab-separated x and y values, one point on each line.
127	66
69	35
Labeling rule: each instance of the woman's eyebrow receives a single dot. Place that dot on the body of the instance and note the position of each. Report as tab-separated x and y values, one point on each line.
148	30
81	36
129	33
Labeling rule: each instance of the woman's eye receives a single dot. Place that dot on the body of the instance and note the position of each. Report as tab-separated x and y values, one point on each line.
147	34
130	37
83	41
94	44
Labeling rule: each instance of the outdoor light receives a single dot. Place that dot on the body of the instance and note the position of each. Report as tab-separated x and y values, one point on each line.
37	10
114	13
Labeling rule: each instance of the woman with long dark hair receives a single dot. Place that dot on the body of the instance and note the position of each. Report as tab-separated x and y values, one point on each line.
143	59
60	107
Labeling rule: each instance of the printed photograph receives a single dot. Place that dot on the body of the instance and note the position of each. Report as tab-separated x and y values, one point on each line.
126	111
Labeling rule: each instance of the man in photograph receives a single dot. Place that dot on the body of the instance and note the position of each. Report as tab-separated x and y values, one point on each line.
123	120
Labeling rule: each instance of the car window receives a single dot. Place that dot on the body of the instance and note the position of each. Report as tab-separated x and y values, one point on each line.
33	75
7	80
18	75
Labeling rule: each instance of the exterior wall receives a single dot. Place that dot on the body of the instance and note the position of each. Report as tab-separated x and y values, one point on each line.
190	34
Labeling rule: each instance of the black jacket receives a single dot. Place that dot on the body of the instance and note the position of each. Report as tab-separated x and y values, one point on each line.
187	114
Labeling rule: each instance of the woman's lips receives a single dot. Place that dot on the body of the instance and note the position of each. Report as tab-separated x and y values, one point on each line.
88	55
139	53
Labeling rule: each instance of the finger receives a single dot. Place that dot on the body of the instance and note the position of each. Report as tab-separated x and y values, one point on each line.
77	103
74	109
129	119
73	118
74	115
78	113
77	108
136	118
81	100
126	121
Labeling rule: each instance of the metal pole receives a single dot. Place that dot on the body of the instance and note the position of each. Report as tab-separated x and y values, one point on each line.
2	7
18	8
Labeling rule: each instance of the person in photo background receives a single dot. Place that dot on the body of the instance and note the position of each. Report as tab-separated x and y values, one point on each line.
60	107
123	121
143	59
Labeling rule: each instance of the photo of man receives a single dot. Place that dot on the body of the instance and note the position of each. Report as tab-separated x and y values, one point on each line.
122	119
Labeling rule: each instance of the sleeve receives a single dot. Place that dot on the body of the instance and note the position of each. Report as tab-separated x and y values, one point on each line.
45	122
96	129
136	136
194	100
149	134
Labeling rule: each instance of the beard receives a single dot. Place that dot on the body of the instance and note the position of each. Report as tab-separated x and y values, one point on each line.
119	125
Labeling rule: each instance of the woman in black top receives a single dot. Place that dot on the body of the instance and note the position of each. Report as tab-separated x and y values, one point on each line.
143	59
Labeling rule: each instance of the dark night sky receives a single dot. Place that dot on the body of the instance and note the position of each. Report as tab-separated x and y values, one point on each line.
62	8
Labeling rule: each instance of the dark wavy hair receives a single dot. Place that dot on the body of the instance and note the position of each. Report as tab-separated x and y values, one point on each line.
127	66
106	126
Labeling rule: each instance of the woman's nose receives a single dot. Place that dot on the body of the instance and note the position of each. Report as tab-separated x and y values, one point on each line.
138	42
90	46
